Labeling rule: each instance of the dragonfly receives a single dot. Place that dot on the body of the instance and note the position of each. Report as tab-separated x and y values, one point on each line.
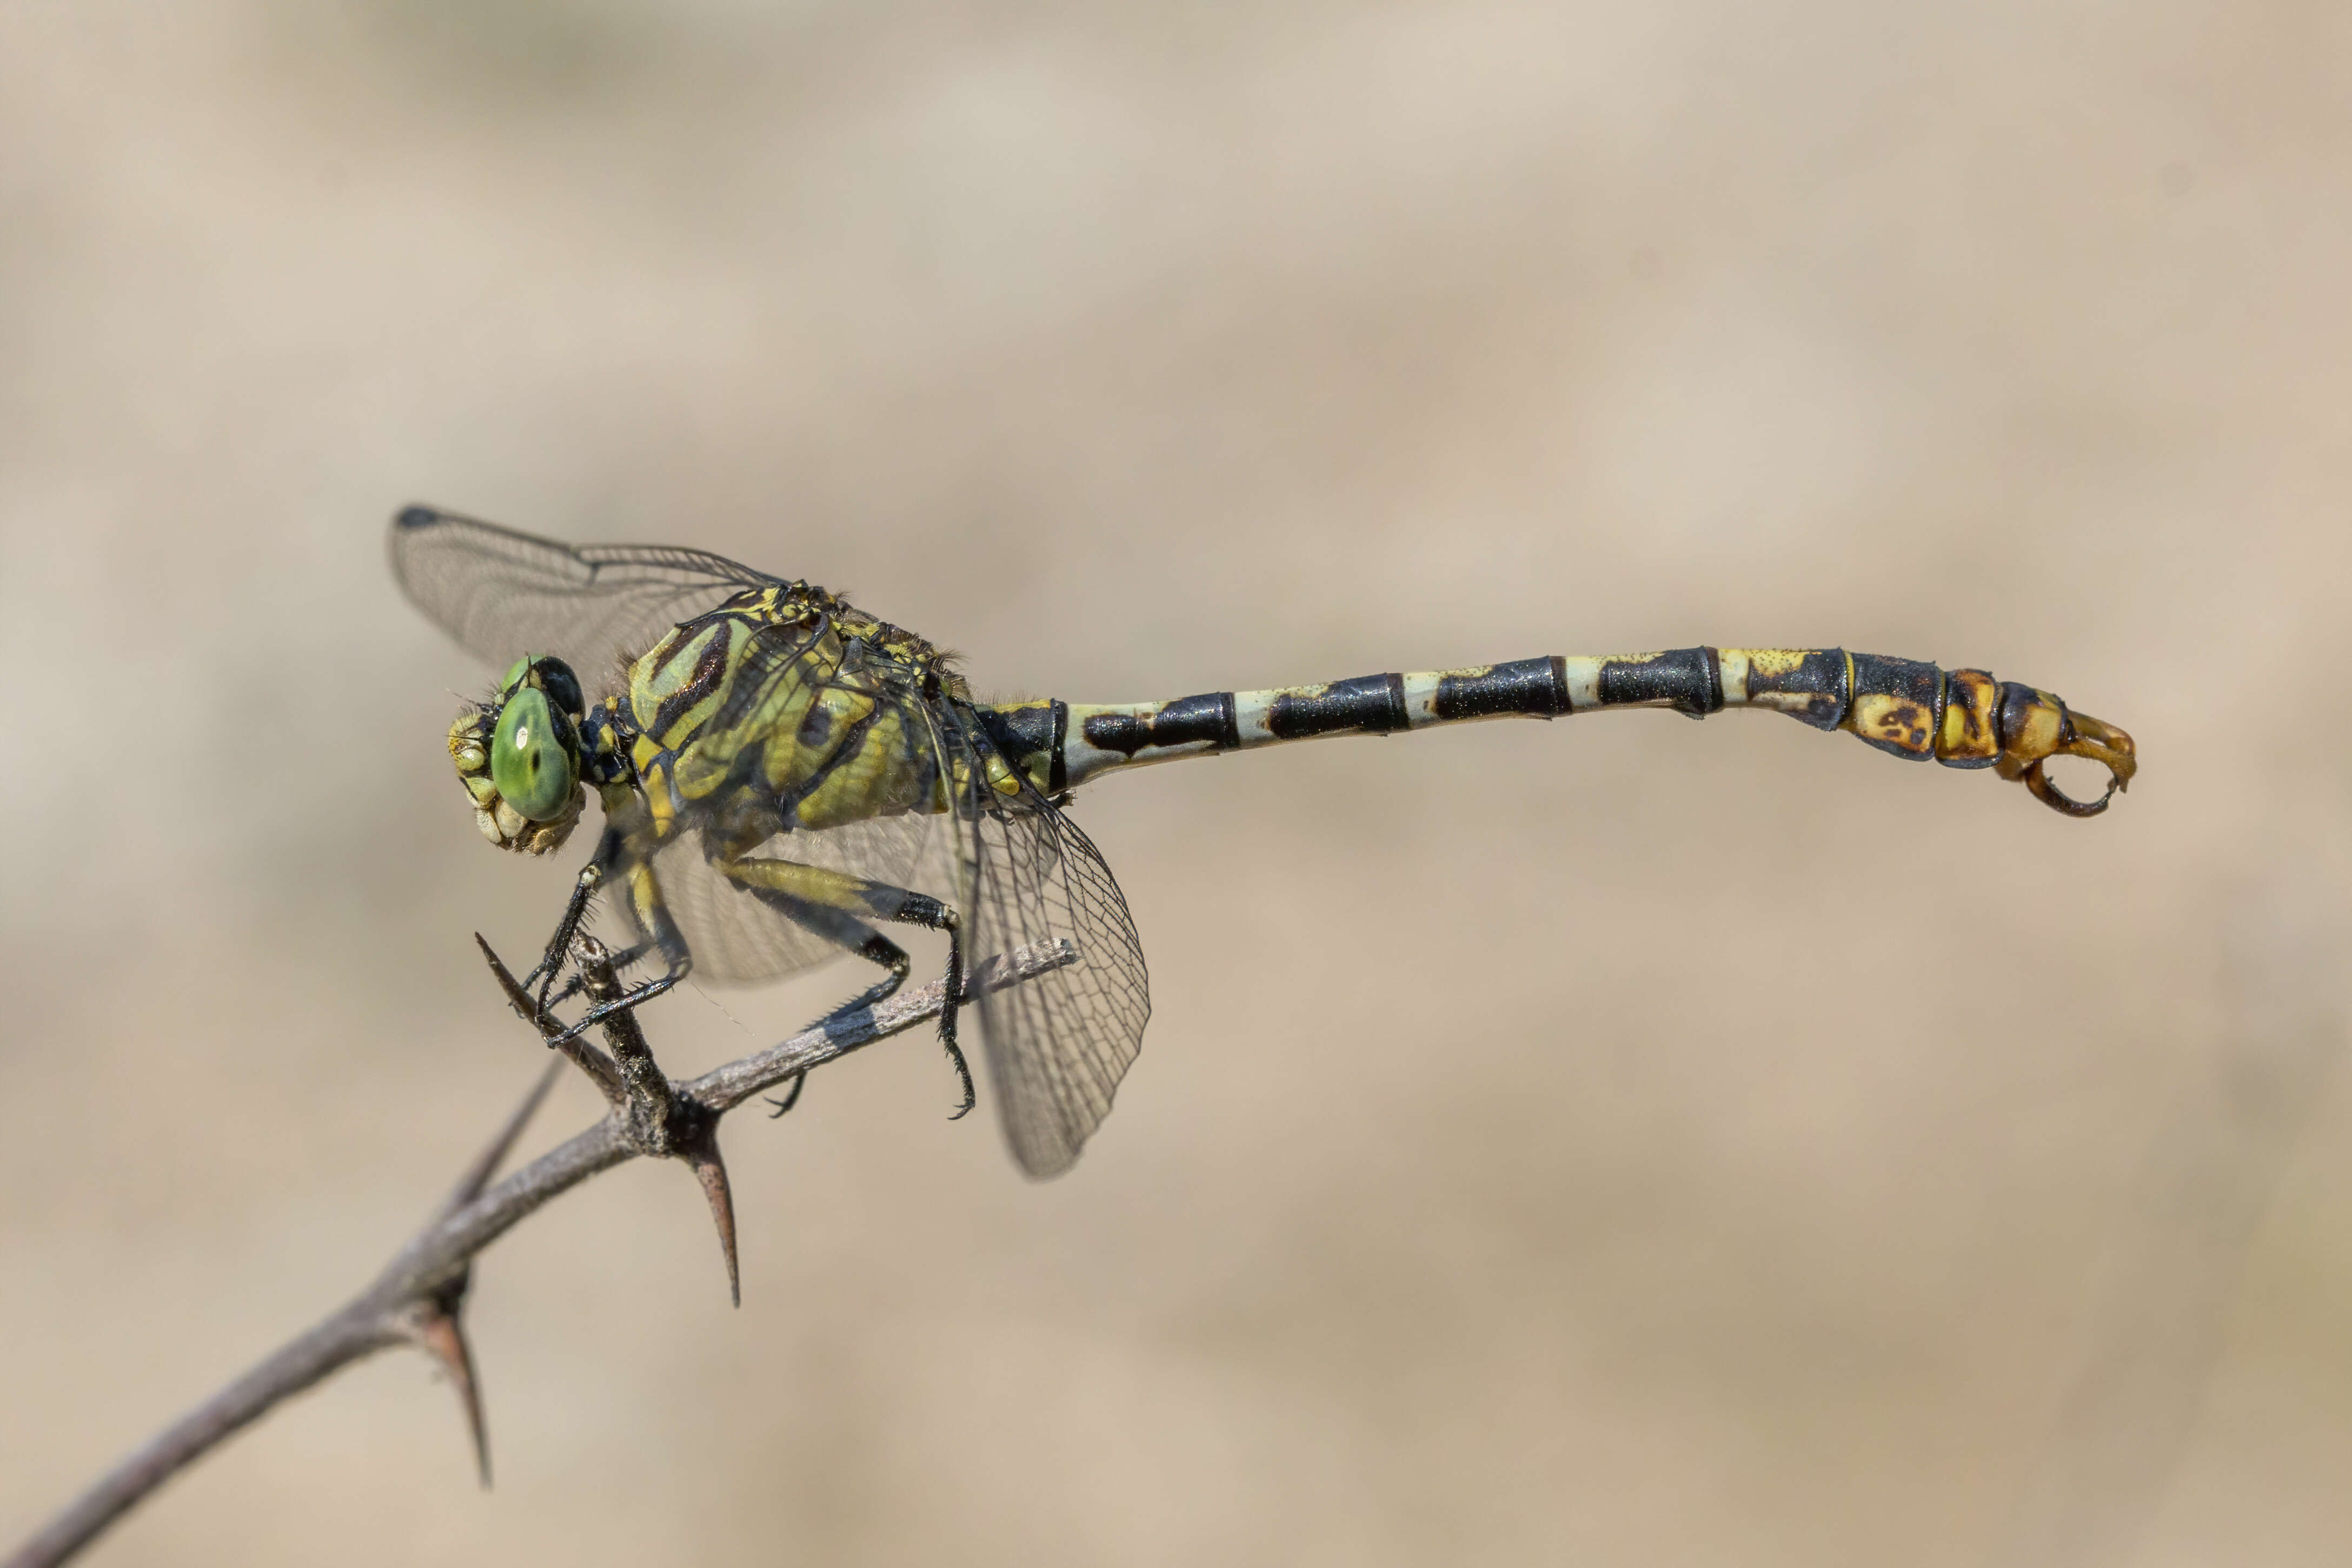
779	770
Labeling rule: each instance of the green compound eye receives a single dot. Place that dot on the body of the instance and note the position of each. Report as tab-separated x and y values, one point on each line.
528	761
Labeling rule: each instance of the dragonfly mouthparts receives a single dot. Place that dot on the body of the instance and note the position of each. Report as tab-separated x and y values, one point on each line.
471	740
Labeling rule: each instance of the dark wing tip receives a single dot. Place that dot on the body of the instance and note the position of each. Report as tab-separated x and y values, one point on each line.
415	516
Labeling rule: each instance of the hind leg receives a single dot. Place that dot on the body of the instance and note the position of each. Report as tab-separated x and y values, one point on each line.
844	909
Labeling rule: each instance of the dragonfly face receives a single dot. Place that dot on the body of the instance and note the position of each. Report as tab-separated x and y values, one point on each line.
519	756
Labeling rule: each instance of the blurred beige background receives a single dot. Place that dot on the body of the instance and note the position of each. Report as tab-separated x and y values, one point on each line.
1624	1142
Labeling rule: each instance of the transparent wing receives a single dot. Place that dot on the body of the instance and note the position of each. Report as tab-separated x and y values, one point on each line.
503	594
736	940
1059	1044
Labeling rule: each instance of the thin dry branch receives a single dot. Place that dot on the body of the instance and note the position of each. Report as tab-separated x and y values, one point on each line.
419	1297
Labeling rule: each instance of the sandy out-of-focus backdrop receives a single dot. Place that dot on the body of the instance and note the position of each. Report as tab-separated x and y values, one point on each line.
1626	1142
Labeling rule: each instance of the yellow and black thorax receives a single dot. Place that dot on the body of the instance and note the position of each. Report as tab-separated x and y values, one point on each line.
784	708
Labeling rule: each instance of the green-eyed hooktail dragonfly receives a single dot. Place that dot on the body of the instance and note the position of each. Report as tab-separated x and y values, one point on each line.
771	760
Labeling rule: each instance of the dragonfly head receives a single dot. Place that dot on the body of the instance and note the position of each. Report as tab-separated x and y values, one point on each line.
518	757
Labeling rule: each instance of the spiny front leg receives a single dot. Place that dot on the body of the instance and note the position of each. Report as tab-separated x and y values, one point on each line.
653	917
837	906
609	849
623	960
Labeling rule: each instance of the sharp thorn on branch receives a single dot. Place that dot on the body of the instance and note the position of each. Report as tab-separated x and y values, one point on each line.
517	997
600	1068
419	1297
711	1170
436	1327
663	1121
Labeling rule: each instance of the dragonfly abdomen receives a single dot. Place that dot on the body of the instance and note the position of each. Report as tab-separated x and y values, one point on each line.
1963	718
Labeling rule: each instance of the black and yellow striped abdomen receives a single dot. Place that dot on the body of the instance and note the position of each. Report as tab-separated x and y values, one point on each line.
1961	718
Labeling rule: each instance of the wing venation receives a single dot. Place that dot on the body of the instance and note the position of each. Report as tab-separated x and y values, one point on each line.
1059	1044
502	593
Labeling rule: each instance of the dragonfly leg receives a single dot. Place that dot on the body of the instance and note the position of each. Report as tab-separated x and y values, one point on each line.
626	959
633	954
592	876
937	916
791	1097
837	906
559	946
653	915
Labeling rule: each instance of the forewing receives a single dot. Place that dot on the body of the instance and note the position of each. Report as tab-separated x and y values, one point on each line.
1058	1044
503	594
